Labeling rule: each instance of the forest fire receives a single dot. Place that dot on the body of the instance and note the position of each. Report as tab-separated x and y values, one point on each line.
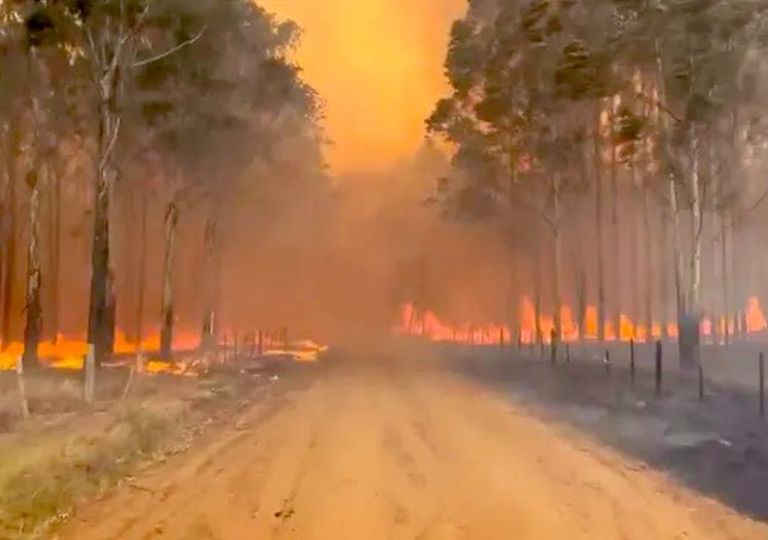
428	325
69	353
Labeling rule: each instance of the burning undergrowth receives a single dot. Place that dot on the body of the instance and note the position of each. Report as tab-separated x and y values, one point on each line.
531	329
68	452
189	360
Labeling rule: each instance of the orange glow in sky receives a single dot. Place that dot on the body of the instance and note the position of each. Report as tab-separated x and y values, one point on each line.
378	64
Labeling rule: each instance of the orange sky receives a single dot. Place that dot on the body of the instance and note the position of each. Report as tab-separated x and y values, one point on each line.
378	65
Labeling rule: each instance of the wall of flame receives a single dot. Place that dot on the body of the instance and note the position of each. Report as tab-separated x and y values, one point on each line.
428	325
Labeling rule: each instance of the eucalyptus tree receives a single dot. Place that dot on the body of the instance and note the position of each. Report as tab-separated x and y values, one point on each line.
524	82
214	111
699	60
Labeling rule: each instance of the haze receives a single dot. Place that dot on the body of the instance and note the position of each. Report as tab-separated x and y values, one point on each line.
378	65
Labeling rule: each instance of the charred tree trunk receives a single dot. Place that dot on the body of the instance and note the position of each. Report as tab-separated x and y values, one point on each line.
36	177
166	334
34	318
102	300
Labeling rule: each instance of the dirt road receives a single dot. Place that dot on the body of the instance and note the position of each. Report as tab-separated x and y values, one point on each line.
368	453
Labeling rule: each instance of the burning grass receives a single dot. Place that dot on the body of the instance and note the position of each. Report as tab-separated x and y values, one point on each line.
428	325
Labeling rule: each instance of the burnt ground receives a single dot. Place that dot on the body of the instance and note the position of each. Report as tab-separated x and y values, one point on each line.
717	446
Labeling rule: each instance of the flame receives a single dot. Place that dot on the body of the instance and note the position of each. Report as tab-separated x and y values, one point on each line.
428	325
755	317
304	351
67	352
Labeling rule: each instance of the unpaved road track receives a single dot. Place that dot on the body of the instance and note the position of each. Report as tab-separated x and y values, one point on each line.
371	452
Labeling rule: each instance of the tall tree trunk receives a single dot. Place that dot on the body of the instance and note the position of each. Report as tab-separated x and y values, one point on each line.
557	258
35	178
211	286
142	272
34	319
537	301
724	276
102	302
54	238
648	243
4	181
677	248
689	340
166	334
581	299
10	230
615	233
598	172
636	248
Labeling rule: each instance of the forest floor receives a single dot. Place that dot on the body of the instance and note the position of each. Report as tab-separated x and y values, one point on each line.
408	445
67	452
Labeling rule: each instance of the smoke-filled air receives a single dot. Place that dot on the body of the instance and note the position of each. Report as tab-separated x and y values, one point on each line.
402	269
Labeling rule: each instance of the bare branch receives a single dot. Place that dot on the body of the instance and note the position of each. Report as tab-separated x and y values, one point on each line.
172	50
111	144
657	103
760	200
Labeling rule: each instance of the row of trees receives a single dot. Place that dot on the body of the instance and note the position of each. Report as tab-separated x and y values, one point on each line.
647	115
106	102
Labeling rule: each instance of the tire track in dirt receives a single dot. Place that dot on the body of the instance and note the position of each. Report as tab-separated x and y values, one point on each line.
387	453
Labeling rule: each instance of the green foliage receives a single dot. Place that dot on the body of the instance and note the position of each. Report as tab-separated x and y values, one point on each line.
528	76
232	91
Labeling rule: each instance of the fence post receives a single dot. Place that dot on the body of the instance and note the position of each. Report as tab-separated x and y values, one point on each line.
567	353
632	361
607	362
762	385
701	381
553	347
22	387
658	368
90	374
134	368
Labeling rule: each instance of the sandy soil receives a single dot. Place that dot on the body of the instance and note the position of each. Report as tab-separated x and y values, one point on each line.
385	452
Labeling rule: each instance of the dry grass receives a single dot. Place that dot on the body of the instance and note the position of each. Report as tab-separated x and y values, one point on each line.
41	484
67	453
